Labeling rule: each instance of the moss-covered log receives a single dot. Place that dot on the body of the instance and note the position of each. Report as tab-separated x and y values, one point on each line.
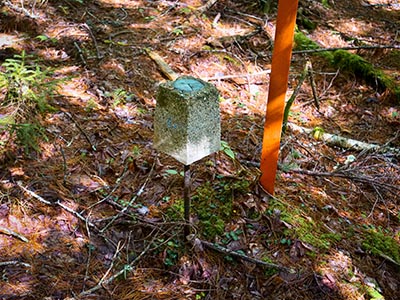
349	62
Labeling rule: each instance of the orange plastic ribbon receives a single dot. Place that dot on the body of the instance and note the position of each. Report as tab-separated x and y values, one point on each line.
286	20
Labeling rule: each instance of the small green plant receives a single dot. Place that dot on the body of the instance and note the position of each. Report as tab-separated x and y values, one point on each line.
26	90
200	295
185	10
173	172
119	96
171	253
227	150
45	38
178	31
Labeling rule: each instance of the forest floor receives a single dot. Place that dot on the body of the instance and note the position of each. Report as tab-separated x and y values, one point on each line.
90	210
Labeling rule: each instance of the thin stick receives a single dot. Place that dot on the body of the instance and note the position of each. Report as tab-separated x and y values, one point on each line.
14	262
186	198
81	130
80	52
140	192
293	97
346	48
86	26
165	68
20	10
34	195
313	88
206	6
76	214
12	233
224	250
236	76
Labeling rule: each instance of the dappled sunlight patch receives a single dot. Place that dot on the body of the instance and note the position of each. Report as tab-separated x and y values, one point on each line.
53	54
7	40
337	272
123	3
76	91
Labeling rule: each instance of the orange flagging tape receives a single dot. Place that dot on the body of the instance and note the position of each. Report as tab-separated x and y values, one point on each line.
281	55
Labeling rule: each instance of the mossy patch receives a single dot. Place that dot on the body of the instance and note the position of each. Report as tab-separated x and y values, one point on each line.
379	243
350	62
213	204
304	227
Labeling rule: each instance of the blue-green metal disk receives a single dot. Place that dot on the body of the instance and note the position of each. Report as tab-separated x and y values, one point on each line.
188	85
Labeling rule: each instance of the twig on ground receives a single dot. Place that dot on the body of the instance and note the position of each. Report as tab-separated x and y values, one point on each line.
58	202
80	52
81	130
133	199
236	76
346	48
165	68
206	6
14	262
117	251
75	213
126	269
86	26
347	143
21	10
195	241
12	233
34	195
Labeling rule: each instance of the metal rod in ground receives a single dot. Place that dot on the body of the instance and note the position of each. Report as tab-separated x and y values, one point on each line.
186	198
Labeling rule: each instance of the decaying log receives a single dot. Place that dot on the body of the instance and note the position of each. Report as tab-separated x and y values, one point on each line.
343	142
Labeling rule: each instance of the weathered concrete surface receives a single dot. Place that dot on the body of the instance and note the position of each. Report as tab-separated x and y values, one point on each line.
187	119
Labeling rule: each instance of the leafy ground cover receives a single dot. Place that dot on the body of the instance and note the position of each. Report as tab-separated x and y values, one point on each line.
89	210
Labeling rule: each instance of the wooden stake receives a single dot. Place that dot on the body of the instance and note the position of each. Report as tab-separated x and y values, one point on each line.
186	199
286	20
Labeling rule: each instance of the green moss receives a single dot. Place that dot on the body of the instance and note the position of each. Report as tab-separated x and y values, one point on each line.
269	271
350	62
302	42
304	228
378	243
213	204
360	67
176	210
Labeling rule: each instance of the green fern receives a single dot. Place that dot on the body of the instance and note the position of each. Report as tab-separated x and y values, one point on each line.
26	90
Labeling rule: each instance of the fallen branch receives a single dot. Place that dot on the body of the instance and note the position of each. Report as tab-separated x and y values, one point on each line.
13	263
12	233
165	68
196	242
206	6
346	48
20	10
347	175
58	202
133	199
346	143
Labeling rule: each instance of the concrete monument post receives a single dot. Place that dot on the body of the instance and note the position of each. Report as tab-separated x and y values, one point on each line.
187	125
